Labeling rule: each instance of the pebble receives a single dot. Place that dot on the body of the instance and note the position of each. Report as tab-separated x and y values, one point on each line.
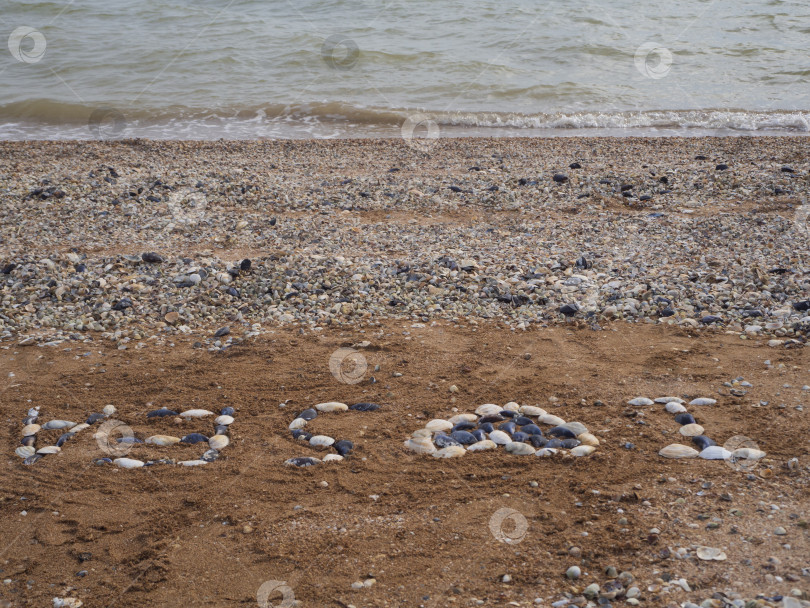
703	442
193	438
320	441
545	452
576	427
332	406
128	463
305	461
343	447
210	455
666	400
192	463
108	410
227	411
588	439
308	414
364	407
198	413
500	438
332	458
488	409
531	410
57	425
297	423
573	573
677	450
551	419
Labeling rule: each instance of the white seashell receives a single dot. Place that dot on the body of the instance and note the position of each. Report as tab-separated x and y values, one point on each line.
451	451
332	458
546	452
532	410
218	442
715	452
128	463
298	423
677	450
57	425
50	449
79	427
223	420
673	407
575	427
463	418
34	411
420	445
163	440
588	439
512	407
747	453
639	401
668	400
332	406
486	444
552	420
710	553
67	602
108	410
519	448
421	433
438	424
196	413
703	401
488	409
321	441
192	463
500	437
24	451
30	429
691	430
583	450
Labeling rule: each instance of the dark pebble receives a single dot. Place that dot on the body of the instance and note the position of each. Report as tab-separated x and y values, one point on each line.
301	434
454	188
487	427
156	413
463	426
709	319
703	442
560	178
626	187
508	427
561	431
490	419
553	443
802	306
787	170
130	440
308	414
444	441
364	407
210	455
570	443
222	331
575	166
343	447
227	411
123	304
193	438
667	312
569	310
507	414
520	436
93	418
245	265
152	258
538	441
531	429
302	461
464	438
700	157
721	167
479	434
685	419
29	420
523	420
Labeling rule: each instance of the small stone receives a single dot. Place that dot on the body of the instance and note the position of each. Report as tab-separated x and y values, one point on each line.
128	463
332	458
24	451
640	402
30	430
51	449
305	461
108	410
780	531
573	573
152	258
321	441
703	401
192	463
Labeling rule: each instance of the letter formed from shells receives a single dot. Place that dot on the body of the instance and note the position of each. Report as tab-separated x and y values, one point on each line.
515	428
118	447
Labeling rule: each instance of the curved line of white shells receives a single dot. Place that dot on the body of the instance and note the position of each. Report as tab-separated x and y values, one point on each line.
675	405
421	440
28	453
317	441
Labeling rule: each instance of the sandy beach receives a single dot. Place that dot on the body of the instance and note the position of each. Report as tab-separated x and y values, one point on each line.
569	275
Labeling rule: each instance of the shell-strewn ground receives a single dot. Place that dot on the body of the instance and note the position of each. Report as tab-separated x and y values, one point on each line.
451	299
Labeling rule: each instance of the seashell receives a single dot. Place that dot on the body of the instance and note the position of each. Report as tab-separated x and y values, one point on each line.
520	437
163	440
420	445
668	400
128	463
508	427
298	423
451	451
422	433
438	424
519	449
302	461
130	440
538	441
108	410
30	420
577	427
332	406
30	429
24	451
63	439
715	452
52	425
569	444
545	452
364	407
583	450
343	447
677	450
685	418
703	401
553	443
747	453
227	411
161	413
102	461
193	438
507	414
512	407
561	431
691	430
531	429
551	419
488	409
210	455
462	426
192	463
710	553
79	427
500	438
673	407
93	418
223	420
221	429
486	444
49	449
299	434
522	420
32	459
332	458
532	410
640	401
588	439
703	442
29	440
320	441
463	418
464	438
196	414
308	414
443	440
33	411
